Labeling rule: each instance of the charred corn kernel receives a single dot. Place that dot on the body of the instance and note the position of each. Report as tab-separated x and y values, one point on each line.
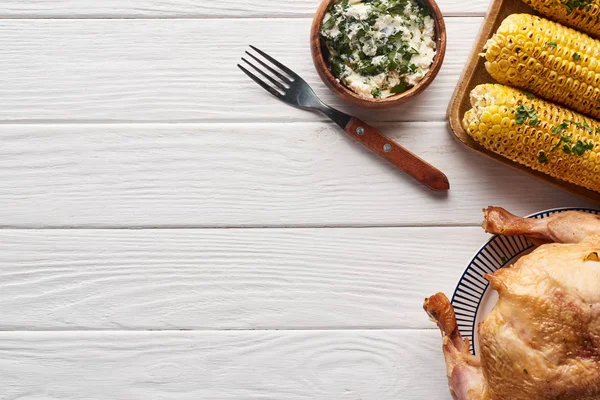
550	60
533	132
583	15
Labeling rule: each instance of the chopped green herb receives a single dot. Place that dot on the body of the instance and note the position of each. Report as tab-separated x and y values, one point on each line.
572	5
529	95
327	25
368	68
376	93
578	148
338	68
542	159
581	147
396	9
560	141
400	88
551	44
576	57
558	129
524	113
525	370
367	47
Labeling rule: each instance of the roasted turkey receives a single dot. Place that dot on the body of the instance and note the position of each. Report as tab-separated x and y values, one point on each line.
542	339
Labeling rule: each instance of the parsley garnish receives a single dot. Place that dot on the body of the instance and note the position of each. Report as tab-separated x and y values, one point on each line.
524	113
368	68
558	129
577	124
576	57
399	88
563	139
542	159
529	95
581	147
357	45
551	44
327	25
525	370
572	5
578	148
376	92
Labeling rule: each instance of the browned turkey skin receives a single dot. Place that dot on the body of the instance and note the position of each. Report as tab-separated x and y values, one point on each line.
542	340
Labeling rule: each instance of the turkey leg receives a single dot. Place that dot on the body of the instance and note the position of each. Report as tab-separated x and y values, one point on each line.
566	227
465	377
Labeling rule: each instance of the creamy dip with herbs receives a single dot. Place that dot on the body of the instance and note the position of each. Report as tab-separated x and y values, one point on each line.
379	48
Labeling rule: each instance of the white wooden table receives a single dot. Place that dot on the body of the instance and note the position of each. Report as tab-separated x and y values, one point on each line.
169	231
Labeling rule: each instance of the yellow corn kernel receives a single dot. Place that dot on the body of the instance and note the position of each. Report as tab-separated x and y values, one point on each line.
583	16
561	67
533	132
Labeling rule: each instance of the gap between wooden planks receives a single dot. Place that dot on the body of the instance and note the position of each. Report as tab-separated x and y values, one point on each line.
190	8
240	175
177	71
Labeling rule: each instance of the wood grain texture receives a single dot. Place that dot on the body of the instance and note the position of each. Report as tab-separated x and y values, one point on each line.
177	70
299	174
228	279
188	8
345	365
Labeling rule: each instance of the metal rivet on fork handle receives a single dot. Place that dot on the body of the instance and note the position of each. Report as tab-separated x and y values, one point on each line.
360	130
387	148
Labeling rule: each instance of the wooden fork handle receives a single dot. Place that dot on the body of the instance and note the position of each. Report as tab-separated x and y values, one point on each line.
422	171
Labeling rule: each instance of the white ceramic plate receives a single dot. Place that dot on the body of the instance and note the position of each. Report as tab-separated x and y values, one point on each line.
473	299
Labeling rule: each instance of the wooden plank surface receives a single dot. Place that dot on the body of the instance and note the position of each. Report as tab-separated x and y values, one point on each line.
177	70
301	174
132	114
188	8
228	278
320	365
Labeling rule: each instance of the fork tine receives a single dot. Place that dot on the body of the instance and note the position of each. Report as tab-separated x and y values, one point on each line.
272	70
261	83
282	67
267	76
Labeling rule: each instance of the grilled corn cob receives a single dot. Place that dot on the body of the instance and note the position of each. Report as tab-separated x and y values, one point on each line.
583	15
547	59
535	133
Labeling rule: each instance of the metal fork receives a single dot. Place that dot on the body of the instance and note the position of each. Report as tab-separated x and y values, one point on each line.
290	88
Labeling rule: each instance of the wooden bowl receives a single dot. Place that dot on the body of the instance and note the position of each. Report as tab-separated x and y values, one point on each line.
322	64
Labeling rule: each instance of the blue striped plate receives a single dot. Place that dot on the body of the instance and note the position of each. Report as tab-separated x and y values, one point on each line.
472	300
